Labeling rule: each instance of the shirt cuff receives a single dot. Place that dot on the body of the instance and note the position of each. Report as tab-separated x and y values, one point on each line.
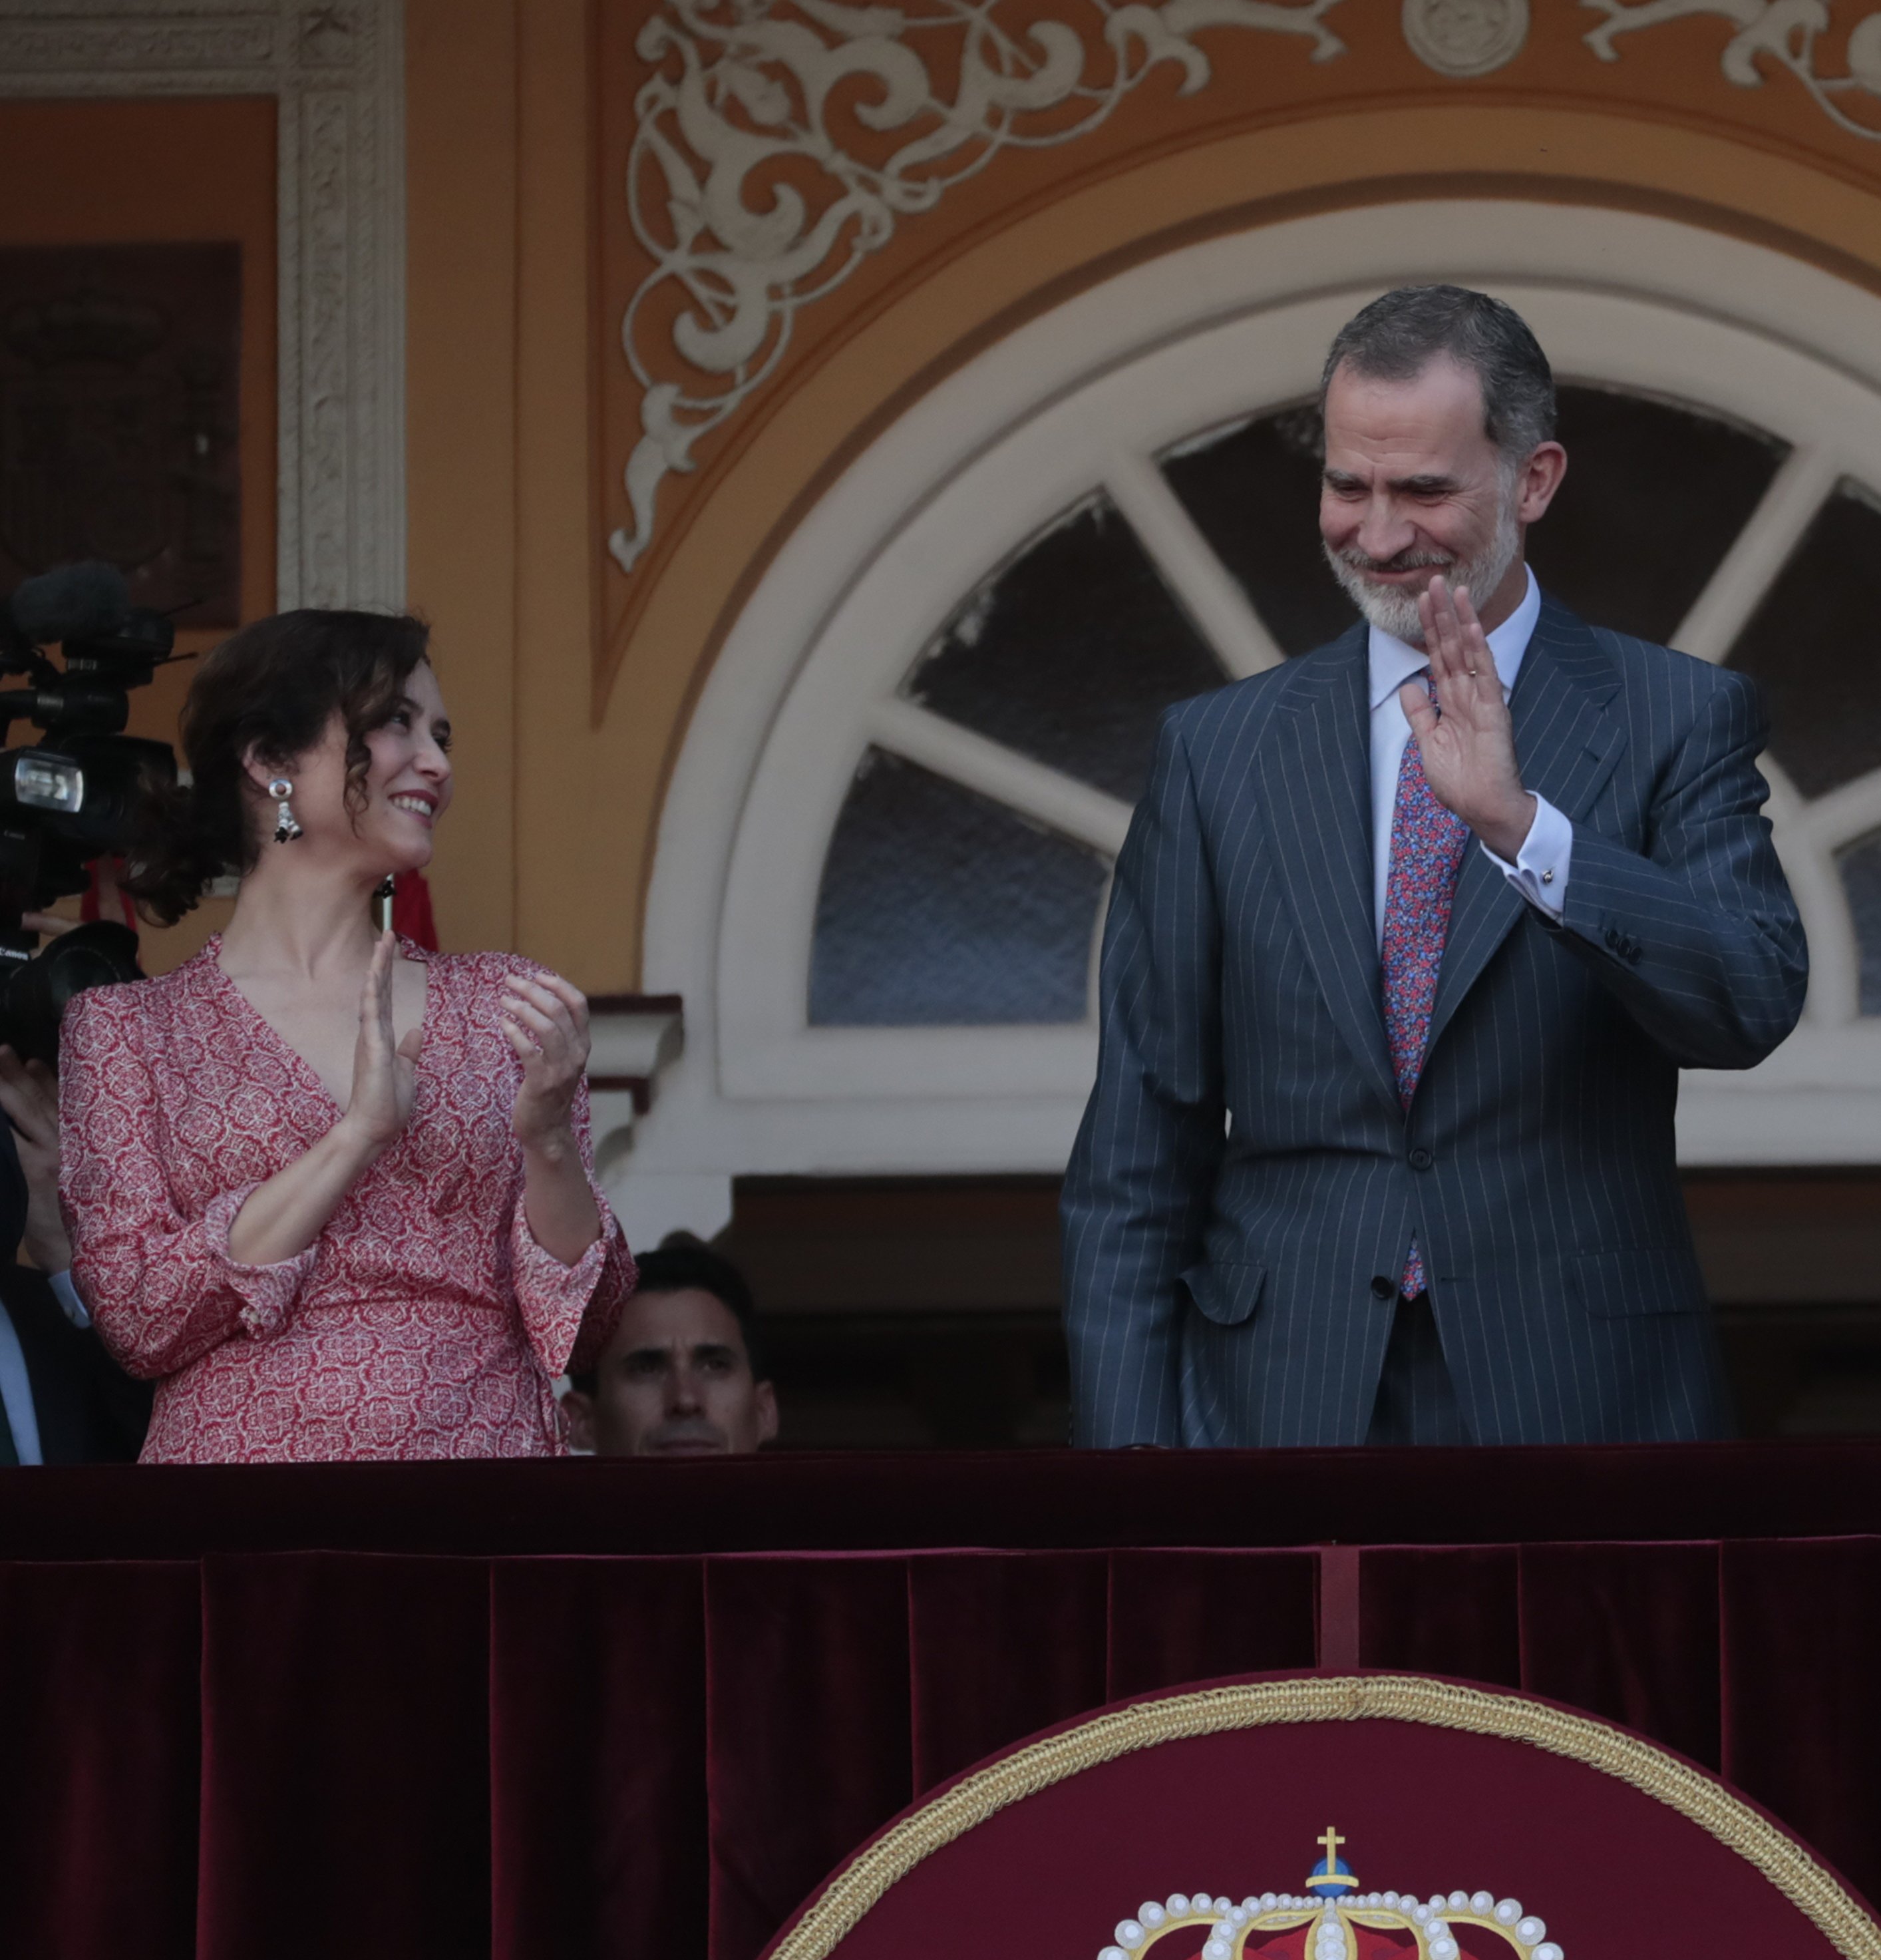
554	1297
66	1294
1540	870
265	1294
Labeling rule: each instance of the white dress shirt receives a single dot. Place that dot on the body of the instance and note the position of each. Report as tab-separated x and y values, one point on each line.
16	1385
16	1393
1540	870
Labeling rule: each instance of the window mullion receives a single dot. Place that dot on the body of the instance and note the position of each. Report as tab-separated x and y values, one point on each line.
1799	490
1209	591
1059	802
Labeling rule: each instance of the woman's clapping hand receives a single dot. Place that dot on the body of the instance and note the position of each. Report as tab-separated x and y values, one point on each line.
385	1068
546	1022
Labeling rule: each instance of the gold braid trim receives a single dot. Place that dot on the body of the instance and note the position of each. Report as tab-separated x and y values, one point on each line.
1340	1698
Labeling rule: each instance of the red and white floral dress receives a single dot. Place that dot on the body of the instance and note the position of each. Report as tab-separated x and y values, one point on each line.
424	1321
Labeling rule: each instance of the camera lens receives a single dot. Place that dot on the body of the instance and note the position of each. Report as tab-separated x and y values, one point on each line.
38	780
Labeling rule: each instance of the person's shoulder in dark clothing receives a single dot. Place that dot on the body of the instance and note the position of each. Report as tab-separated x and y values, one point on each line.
89	1411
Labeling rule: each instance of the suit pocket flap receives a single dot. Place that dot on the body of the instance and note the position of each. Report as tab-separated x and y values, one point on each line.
1226	1293
1653	1279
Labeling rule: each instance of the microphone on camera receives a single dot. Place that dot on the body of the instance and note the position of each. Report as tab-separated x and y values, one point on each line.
77	602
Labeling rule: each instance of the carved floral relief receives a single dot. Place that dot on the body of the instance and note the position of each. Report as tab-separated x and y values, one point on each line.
779	143
1782	32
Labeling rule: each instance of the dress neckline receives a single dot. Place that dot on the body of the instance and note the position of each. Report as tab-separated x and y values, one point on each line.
310	1077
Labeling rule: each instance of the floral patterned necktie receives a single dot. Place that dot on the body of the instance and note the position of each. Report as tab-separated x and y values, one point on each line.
1427	847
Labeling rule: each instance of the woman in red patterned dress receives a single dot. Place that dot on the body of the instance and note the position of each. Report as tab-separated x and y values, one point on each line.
332	1193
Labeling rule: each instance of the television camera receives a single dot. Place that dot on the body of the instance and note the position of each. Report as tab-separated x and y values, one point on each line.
71	798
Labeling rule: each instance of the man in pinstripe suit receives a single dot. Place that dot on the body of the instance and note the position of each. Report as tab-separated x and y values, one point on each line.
1408	944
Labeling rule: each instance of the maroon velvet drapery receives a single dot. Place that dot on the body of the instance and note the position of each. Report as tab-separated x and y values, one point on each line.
244	1744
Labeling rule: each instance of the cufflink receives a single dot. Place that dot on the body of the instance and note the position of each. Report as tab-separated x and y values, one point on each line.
1548	877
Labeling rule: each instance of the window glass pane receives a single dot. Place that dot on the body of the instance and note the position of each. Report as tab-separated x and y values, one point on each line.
1813	644
1253	491
1654	495
1860	867
1069	652
939	908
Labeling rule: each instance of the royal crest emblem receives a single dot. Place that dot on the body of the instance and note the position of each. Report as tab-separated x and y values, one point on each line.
1332	1919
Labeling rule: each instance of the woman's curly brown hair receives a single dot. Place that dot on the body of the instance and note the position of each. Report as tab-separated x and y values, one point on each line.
274	687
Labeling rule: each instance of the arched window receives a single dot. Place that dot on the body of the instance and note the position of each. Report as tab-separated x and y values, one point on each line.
1115	509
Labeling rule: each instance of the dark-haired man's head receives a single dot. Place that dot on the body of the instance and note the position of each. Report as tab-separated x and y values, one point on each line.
681	1374
1439	408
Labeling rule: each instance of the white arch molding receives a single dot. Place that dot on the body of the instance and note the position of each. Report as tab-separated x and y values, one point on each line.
1083	397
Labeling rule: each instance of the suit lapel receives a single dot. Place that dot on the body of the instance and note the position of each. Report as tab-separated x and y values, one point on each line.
1566	744
1316	795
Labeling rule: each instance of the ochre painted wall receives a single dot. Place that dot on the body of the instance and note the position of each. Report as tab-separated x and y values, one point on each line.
500	483
462	489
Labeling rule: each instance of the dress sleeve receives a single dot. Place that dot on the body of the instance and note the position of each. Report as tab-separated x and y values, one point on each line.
161	1287
568	1312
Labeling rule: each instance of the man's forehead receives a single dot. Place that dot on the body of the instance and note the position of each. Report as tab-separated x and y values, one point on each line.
1440	407
690	1318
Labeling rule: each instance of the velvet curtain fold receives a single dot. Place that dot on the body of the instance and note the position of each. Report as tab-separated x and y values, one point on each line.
585	1757
99	1762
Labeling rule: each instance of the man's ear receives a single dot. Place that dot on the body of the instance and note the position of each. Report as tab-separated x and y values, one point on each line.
579	1411
766	1397
1540	480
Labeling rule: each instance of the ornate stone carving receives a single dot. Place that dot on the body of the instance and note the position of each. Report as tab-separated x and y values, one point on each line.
1465	37
337	74
127	46
1783	31
761	178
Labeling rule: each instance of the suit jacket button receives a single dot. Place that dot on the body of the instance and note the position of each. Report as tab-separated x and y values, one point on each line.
1613	937
1381	1287
1421	1158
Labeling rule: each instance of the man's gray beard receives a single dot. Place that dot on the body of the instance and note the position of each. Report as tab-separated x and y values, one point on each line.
1392	609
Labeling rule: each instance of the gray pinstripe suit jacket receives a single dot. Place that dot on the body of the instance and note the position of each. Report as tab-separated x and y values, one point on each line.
1245	1169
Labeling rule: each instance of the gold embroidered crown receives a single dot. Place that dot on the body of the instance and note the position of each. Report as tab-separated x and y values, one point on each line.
1330	1918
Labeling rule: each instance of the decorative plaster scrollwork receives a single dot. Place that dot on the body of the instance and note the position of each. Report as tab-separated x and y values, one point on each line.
781	142
1785	32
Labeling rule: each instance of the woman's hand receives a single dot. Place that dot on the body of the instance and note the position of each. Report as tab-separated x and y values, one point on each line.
284	1216
385	1069
546	1022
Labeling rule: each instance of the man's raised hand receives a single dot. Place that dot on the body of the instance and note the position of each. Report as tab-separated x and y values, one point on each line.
1462	728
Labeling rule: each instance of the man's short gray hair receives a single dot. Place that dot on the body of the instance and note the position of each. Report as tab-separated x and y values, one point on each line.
1393	339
